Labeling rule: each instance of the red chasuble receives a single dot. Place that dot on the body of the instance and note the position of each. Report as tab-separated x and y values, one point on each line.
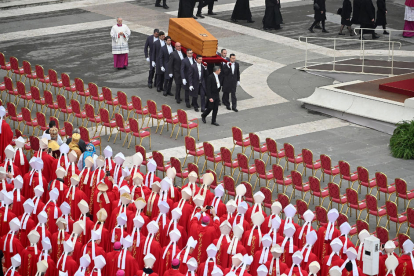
405	267
51	220
98	251
248	215
183	266
256	258
172	272
295	271
156	250
47	165
4	225
17	248
85	187
323	248
312	257
16	169
28	189
246	224
23	168
136	252
61	186
131	265
222	257
29	261
166	262
16	273
143	192
18	205
204	235
349	244
6	136
282	267
336	261
165	237
69	174
237	272
140	273
70	266
73	203
51	270
22	235
105	238
350	273
200	270
186	212
102	204
286	256
382	271
300	243
255	242
84	238
57	245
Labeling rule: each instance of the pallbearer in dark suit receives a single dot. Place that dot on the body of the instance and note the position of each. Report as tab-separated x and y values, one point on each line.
213	96
197	84
156	51
231	81
149	44
164	57
223	54
174	69
185	69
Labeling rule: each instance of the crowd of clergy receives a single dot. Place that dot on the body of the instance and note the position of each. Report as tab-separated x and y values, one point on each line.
91	215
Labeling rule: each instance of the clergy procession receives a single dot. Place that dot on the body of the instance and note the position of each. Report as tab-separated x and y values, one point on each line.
68	212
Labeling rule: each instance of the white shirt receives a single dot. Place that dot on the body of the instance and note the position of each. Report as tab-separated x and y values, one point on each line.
170	49
199	70
191	60
162	43
217	80
155	39
180	55
232	68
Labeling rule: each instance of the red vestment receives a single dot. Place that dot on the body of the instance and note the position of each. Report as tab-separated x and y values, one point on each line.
156	178
16	273
118	235
22	235
166	262
208	196
136	252
256	258
287	256
282	267
165	237
237	272
16	169
18	205
382	271
300	242
105	238
336	261
172	272
69	174
61	186
23	168
51	221
73	203
29	261
4	225
350	273
115	213
248	215
98	251
6	137
186	212
322	247
56	164
57	245
155	249
153	200
102	204
17	249
51	270
86	235
246	224
204	235
221	209
349	244
183	266
38	209
255	242
282	227
405	266
28	188
47	234
140	273
312	257
85	187
295	271
143	192
239	249
70	266
131	265
47	166
221	256
200	270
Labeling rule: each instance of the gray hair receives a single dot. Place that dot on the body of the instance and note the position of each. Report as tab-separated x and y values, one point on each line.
76	130
118	18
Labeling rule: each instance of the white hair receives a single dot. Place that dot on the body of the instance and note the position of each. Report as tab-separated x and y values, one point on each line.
118	18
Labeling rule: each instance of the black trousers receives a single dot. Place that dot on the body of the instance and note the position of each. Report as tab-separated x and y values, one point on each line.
159	81
177	91
164	2
167	85
225	99
371	26
151	74
187	96
202	4
316	22
211	107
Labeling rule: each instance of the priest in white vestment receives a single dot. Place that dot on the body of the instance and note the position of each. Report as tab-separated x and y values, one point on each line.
120	35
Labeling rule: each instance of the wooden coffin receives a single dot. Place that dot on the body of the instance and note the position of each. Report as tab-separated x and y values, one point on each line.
192	35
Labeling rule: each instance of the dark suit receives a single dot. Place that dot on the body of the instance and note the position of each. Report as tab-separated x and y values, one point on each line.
185	69
212	92
221	75
174	67
230	84
164	57
156	51
149	45
81	144
366	14
197	81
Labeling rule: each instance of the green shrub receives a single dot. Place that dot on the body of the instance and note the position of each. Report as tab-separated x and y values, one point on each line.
402	140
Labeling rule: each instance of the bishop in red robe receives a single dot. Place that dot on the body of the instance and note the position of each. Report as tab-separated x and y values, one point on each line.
6	134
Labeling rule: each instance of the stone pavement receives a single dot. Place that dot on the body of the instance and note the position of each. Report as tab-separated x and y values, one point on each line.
73	37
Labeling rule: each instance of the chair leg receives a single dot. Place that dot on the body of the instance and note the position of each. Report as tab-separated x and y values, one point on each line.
172	131
178	132
126	137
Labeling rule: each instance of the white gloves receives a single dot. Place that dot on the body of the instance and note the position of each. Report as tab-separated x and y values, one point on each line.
170	75
191	88
153	64
148	60
184	81
238	83
229	64
162	68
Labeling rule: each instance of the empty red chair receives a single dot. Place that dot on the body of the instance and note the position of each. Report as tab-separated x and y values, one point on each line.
2	89
136	131
36	98
138	109
12	115
122	127
96	141
25	95
280	179
364	180
14	63
192	149
403	192
315	190
162	166
308	162
227	161
392	215
65	109
238	139
401	240
186	124
92	117
29	73
124	104
10	89
54	81
95	95
345	173
321	215
81	91
4	65
372	208
256	146
290	156
41	77
410	219
354	202
268	201
335	195
284	200
248	196
245	167
272	151
109	100
77	112
383	235
382	185
42	124
261	172
169	119
180	172
28	121
49	102
34	144
142	150
68	128
106	122
69	87
209	155
298	184
229	186
327	168
154	113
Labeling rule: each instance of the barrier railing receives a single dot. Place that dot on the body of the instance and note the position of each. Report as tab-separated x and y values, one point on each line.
362	53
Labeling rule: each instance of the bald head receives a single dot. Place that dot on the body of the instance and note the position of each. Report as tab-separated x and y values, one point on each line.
178	46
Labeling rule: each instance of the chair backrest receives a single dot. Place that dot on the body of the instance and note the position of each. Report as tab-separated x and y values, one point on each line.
90	111
344	168
51	118
254	140
249	190
301	206
401	240
34	143
392	210
119	120
93	89
158	158
79	84
225	155
410	215
11	109
190	143
352	196
326	162
271	145
14	63
381	179
260	166
229	184
18	133
40	72
401	186
363	174
133	125
289	150
314	184
27	68
372	203
283	199
193	168
268	195
237	134
152	107
382	234
321	214
84	134
2	60
53	76
104	114
41	119
68	128
175	163
122	98
8	83
341	219
75	106
48	97
307	156
208	150
21	88
362	225
136	103
34	90
142	150
27	116
296	178
65	80
334	191
107	93
182	116
243	161
214	183
61	101
166	111
278	172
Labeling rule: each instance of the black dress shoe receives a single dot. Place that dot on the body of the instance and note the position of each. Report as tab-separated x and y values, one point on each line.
228	107
235	109
311	30
375	36
170	94
196	109
203	119
195	17
178	101
234	20
219	103
386	33
317	27
158	5
188	105
158	90
200	16
149	85
212	13
202	110
215	124
165	95
250	21
166	7
325	31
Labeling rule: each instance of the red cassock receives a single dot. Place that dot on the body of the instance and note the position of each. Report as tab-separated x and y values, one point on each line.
336	261
16	273
256	258
18	204
17	248
296	272
51	270
143	192
131	265
47	234
69	174
322	247
311	258
22	235
136	252
4	225
98	251
70	266
246	224
237	272
155	249
382	271
282	267
115	213
16	169
172	272
255	244
405	267
200	270
162	228
61	186
28	188
23	168
6	136
29	261
186	212
165	237
240	249
204	235
85	187
183	266
167	260
140	273
287	256
221	256
117	236
360	273
102	204
57	245
38	209
51	221
349	244
86	235
47	165
154	211
300	242
73	203
105	238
